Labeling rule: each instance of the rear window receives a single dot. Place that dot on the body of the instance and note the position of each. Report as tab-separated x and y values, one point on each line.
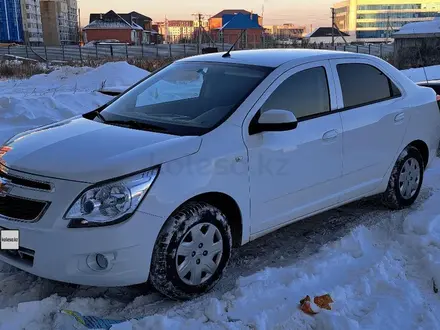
363	84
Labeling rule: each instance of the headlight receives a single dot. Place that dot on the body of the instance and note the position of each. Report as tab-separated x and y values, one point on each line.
110	203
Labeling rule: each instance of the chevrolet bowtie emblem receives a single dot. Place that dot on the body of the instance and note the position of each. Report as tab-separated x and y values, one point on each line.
5	187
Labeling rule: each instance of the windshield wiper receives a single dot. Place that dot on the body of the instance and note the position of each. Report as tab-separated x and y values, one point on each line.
136	124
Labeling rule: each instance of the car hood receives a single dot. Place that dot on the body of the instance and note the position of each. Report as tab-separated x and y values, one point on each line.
83	150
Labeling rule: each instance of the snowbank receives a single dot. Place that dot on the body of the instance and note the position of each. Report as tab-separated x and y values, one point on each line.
78	79
63	93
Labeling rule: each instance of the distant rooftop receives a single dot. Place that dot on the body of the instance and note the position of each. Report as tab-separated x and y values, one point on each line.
231	12
325	32
425	27
111	20
128	17
240	22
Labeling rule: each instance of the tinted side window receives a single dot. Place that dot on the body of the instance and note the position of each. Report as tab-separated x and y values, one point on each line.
305	93
364	84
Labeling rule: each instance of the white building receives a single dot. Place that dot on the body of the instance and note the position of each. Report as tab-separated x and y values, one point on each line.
32	26
377	20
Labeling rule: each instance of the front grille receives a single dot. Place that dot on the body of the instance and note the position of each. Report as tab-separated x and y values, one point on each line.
26	182
21	209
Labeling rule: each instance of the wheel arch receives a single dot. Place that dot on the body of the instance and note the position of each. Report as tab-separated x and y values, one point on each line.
228	206
422	147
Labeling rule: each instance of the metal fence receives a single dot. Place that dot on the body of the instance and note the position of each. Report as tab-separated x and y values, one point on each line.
103	51
78	53
382	50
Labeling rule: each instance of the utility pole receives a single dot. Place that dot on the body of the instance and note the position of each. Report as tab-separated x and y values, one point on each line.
333	26
200	30
389	29
199	18
79	27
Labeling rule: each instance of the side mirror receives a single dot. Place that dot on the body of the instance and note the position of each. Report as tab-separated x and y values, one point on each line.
274	120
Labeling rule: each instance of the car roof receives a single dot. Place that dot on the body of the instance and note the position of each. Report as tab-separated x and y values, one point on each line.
271	57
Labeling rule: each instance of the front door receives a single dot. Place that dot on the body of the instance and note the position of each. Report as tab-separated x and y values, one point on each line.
295	173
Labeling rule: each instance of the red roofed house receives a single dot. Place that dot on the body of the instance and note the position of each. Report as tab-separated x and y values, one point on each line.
121	27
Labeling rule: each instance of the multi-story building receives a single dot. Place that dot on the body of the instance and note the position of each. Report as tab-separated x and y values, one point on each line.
60	22
175	31
376	20
72	17
285	31
204	22
11	27
31	18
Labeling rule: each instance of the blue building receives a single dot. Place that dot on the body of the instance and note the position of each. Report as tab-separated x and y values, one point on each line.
11	24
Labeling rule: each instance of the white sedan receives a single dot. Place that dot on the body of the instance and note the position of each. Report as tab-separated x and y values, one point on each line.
205	155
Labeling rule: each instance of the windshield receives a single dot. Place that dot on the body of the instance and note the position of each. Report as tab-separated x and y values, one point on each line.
187	98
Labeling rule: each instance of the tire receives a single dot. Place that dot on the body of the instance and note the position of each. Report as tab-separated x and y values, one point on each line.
179	244
396	198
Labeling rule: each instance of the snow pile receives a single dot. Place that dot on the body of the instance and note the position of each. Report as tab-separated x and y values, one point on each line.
422	74
63	93
77	79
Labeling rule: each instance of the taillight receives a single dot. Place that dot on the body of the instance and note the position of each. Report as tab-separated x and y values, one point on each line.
438	101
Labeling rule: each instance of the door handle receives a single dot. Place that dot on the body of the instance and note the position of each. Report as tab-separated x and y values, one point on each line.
330	135
399	117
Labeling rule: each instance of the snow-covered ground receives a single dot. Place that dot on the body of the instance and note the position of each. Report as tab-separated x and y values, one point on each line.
377	265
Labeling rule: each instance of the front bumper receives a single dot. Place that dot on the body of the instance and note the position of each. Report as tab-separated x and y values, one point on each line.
51	250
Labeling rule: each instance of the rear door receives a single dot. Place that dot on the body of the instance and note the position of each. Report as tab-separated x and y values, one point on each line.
374	118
